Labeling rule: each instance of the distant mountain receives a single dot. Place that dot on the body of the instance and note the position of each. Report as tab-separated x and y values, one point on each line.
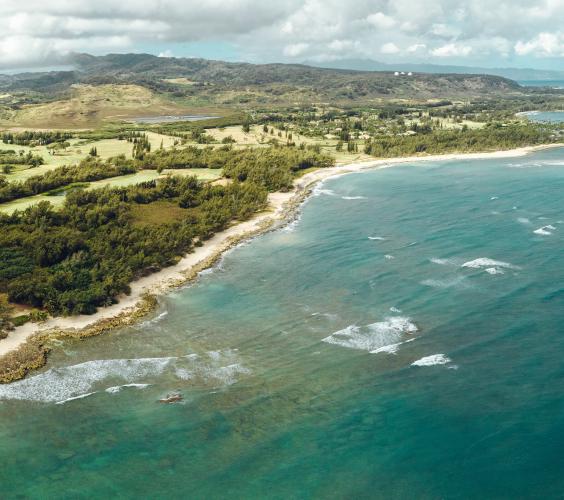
518	74
241	83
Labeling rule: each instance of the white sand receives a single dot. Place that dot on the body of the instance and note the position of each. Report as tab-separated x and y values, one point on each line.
160	282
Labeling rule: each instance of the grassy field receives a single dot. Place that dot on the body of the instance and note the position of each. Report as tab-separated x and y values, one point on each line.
91	106
203	174
77	151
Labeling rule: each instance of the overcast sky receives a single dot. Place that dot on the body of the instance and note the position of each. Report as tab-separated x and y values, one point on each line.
518	33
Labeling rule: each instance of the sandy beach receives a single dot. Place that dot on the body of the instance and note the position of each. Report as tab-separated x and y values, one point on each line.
281	206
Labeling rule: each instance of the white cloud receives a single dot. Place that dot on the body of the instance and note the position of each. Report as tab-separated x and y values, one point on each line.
416	47
544	44
389	48
296	49
381	21
452	50
39	31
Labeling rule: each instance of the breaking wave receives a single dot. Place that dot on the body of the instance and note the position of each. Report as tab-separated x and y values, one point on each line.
374	336
545	230
434	359
486	262
63	384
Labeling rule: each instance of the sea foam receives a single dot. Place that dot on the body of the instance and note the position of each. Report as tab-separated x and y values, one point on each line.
434	359
374	336
545	230
486	262
63	384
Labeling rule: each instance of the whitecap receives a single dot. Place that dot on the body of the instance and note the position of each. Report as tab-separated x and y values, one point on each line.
523	220
376	238
395	310
544	231
353	197
390	349
434	359
494	270
80	396
373	336
117	388
494	198
389	257
486	262
68	382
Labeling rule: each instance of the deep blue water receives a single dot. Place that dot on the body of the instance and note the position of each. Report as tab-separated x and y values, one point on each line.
295	356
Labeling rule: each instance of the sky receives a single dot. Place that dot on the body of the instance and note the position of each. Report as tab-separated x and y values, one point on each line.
489	33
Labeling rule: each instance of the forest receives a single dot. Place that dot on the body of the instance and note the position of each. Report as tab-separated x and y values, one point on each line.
80	257
73	260
493	136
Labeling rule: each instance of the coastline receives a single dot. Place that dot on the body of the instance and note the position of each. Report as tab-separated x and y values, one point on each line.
27	346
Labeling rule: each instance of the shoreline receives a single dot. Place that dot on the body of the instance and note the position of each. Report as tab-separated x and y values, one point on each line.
27	346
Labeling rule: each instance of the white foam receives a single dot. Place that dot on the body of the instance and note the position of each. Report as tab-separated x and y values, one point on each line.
390	349
389	257
523	220
373	336
486	262
376	238
318	191
353	197
80	396
69	382
545	230
435	359
395	310
445	262
117	388
494	270
494	198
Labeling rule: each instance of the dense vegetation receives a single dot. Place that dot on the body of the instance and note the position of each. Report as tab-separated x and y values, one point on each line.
493	136
88	170
10	157
35	137
76	259
273	167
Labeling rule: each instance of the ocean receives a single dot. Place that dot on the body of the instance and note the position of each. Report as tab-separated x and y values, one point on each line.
402	338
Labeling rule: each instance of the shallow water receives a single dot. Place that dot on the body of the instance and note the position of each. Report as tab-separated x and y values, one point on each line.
402	339
546	116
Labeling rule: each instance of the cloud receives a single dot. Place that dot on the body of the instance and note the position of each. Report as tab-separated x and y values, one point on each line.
381	20
295	49
36	32
544	45
389	48
452	50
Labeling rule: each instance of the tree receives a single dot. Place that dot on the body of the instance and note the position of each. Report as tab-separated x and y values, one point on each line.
93	151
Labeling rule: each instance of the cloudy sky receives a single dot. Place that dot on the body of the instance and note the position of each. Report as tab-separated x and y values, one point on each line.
517	33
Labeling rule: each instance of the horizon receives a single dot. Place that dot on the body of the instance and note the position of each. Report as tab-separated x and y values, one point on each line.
66	66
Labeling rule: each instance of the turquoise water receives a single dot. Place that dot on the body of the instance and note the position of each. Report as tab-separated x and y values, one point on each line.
553	84
295	357
546	116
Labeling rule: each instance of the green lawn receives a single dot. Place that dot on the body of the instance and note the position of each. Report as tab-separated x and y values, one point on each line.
124	180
